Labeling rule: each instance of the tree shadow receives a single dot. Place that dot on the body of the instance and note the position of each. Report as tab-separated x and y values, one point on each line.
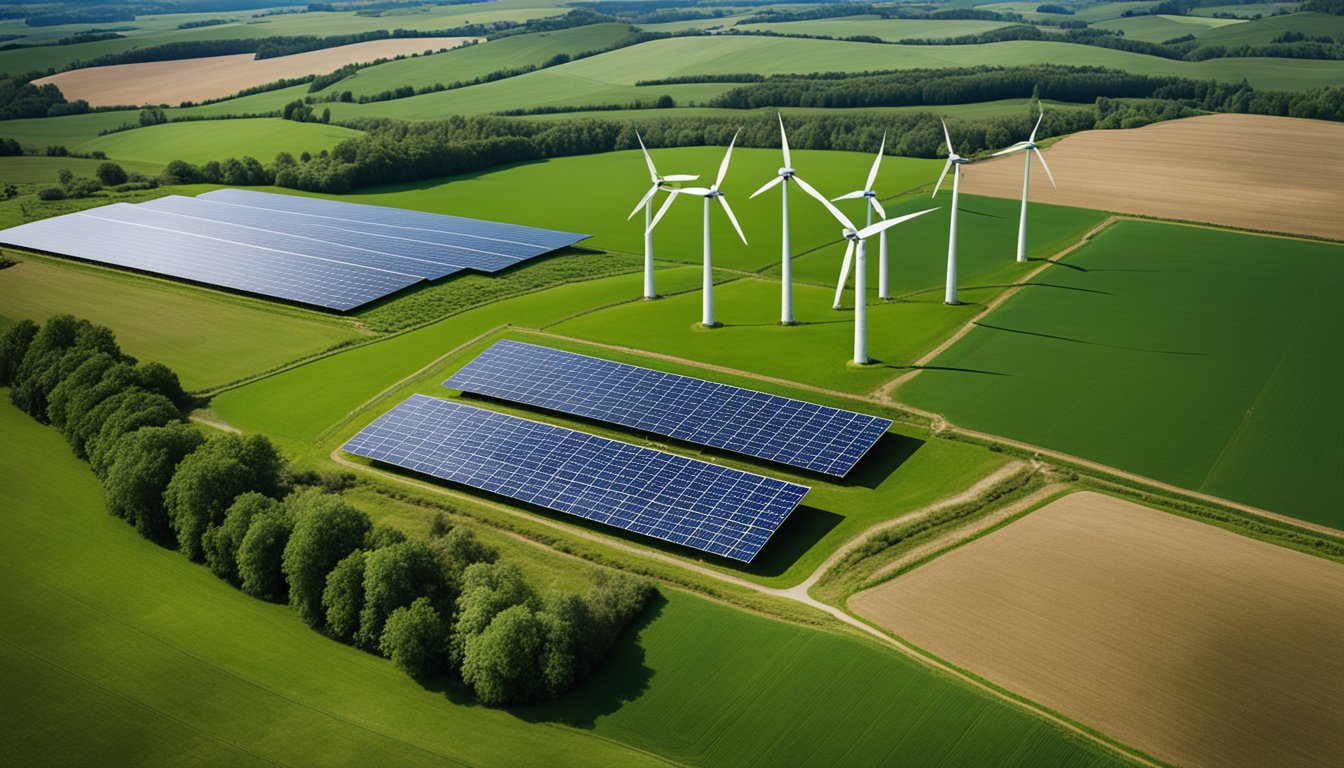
885	457
620	677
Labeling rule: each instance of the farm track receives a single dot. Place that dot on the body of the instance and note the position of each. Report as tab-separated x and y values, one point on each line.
837	613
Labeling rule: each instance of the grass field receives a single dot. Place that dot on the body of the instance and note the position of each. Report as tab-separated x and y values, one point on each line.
1262	31
29	169
1245	10
978	110
208	337
183	668
1159	28
1248	325
890	30
1199	646
200	141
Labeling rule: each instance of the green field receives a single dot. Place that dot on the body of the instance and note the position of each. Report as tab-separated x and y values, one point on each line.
113	646
1157	29
28	169
476	60
1089	13
1244	10
890	30
208	337
977	111
1200	358
1262	31
203	140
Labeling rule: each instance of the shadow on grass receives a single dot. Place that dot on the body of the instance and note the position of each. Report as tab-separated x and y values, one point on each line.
804	528
885	457
1091	343
619	678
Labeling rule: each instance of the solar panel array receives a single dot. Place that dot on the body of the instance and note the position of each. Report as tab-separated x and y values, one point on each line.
324	253
714	509
779	429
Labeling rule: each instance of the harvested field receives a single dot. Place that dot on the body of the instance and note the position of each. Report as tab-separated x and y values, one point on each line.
1196	645
214	77
1276	174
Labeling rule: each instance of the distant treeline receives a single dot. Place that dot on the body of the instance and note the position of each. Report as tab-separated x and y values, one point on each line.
1335	7
443	605
19	98
82	37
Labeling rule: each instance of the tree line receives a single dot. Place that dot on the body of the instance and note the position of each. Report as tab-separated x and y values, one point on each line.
445	605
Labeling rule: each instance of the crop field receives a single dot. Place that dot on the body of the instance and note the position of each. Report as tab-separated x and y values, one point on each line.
1245	10
214	77
30	169
1295	192
1262	31
1156	29
93	645
1084	364
209	338
891	30
1199	646
978	110
199	141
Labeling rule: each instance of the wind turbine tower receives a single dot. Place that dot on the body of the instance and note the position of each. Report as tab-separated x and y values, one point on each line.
953	161
857	249
709	194
786	175
870	195
646	202
1027	147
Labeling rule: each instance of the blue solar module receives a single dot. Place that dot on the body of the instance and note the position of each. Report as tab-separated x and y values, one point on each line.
779	429
714	509
513	240
204	260
278	241
425	246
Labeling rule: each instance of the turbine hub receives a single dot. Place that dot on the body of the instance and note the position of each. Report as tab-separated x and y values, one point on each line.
869	193
786	172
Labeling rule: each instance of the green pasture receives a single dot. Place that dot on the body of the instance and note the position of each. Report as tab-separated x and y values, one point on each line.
208	337
976	111
1088	13
1262	31
29	169
199	141
1201	358
1244	10
715	25
477	60
890	30
610	77
1157	29
115	646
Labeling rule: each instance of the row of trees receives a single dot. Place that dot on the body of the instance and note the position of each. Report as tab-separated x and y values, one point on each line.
19	98
443	605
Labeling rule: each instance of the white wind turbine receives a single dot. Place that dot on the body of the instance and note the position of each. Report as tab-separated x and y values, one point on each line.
646	202
1027	147
709	194
857	249
953	159
868	193
786	174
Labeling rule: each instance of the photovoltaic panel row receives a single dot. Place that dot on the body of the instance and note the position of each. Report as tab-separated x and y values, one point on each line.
425	246
714	509
779	429
513	240
229	265
278	241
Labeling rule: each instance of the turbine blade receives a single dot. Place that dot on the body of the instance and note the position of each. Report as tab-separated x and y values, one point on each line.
1038	125
937	186
723	167
844	272
701	191
680	177
784	142
653	172
728	210
671	195
840	217
1018	147
769	184
868	232
1051	176
849	195
643	201
877	163
878	207
947	136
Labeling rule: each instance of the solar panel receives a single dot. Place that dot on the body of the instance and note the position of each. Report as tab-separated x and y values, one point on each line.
214	262
704	506
427	246
513	240
279	241
779	429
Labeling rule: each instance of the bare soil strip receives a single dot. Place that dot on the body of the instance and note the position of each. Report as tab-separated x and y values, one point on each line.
1274	174
1196	645
214	77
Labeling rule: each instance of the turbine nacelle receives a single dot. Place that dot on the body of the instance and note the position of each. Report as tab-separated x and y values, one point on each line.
787	172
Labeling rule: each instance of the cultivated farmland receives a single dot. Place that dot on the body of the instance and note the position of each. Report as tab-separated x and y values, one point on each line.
1083	361
201	141
214	77
1284	179
1199	646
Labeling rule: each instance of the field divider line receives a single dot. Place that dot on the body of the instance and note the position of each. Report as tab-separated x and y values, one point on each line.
835	612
